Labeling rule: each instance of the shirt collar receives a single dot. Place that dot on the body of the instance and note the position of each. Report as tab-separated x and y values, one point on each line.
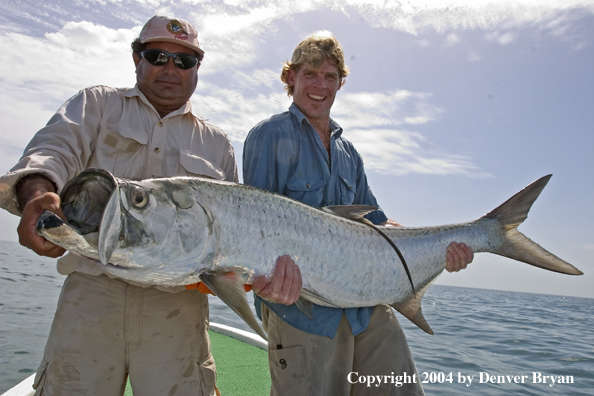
334	127
135	91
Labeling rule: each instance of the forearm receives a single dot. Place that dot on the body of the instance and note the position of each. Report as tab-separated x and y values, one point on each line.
32	186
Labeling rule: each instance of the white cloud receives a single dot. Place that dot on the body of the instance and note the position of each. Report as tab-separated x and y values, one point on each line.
45	72
235	113
446	16
423	43
391	108
224	24
452	39
398	152
76	56
501	38
473	56
374	123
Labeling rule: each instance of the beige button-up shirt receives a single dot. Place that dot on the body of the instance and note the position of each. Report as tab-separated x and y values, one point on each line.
117	129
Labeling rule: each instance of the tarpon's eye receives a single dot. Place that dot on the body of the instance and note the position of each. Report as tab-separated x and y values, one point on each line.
138	197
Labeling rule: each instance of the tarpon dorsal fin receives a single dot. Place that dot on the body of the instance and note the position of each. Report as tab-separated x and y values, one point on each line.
412	310
351	212
231	291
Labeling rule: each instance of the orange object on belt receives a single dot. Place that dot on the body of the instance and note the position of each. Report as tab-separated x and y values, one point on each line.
202	288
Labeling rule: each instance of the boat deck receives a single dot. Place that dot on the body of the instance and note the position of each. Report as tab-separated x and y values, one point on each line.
241	359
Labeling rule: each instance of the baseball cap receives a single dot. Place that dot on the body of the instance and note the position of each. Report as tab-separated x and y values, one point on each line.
174	30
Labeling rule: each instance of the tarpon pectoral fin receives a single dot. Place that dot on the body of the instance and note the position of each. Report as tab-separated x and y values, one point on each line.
306	297
305	306
412	310
231	291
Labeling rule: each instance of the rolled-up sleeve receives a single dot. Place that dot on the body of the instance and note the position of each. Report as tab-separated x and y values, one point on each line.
58	151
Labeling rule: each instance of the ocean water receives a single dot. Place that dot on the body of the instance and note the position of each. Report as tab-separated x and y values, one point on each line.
484	336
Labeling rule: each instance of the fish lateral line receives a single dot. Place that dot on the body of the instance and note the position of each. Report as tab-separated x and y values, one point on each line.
357	213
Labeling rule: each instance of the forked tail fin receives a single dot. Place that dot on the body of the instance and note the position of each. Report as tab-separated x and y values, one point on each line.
516	245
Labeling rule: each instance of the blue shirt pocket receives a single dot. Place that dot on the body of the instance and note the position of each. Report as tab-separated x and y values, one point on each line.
347	190
308	191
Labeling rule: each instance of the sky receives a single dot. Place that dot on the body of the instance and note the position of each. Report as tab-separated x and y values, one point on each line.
453	105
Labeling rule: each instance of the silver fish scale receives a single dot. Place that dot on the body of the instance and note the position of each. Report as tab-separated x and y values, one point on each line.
255	227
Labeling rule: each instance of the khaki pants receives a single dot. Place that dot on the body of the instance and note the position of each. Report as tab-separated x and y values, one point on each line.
105	329
315	365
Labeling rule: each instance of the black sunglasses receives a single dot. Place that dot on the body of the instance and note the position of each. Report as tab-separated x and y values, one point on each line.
159	57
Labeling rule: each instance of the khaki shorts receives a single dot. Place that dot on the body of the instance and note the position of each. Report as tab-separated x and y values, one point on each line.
311	365
106	329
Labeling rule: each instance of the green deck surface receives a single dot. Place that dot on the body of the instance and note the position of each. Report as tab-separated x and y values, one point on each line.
242	369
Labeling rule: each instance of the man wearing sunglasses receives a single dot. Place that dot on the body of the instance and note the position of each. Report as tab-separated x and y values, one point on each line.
106	329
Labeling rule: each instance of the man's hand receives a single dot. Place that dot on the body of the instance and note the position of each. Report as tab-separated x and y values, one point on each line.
36	193
459	255
285	284
28	236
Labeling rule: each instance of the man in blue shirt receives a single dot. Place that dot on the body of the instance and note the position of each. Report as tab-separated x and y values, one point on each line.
302	154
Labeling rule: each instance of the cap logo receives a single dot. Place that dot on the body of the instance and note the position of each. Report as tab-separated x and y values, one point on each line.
176	28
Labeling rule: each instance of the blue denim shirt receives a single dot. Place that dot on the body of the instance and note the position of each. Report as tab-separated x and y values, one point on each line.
284	154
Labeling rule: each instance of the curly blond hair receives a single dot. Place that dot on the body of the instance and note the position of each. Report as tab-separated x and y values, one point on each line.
314	50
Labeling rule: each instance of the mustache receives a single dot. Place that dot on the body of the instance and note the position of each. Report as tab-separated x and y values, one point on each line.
169	79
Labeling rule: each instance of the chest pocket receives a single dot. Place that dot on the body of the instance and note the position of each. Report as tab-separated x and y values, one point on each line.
308	191
347	188
119	150
122	138
195	165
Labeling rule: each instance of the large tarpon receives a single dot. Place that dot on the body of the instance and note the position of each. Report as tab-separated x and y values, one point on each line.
179	231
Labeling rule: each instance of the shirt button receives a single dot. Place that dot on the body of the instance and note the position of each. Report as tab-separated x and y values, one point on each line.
160	123
157	150
308	186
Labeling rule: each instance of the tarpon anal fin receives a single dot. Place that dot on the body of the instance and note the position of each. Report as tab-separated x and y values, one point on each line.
231	291
412	310
356	213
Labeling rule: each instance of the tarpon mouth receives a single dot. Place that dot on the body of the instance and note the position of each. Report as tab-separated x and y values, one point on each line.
86	200
85	197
